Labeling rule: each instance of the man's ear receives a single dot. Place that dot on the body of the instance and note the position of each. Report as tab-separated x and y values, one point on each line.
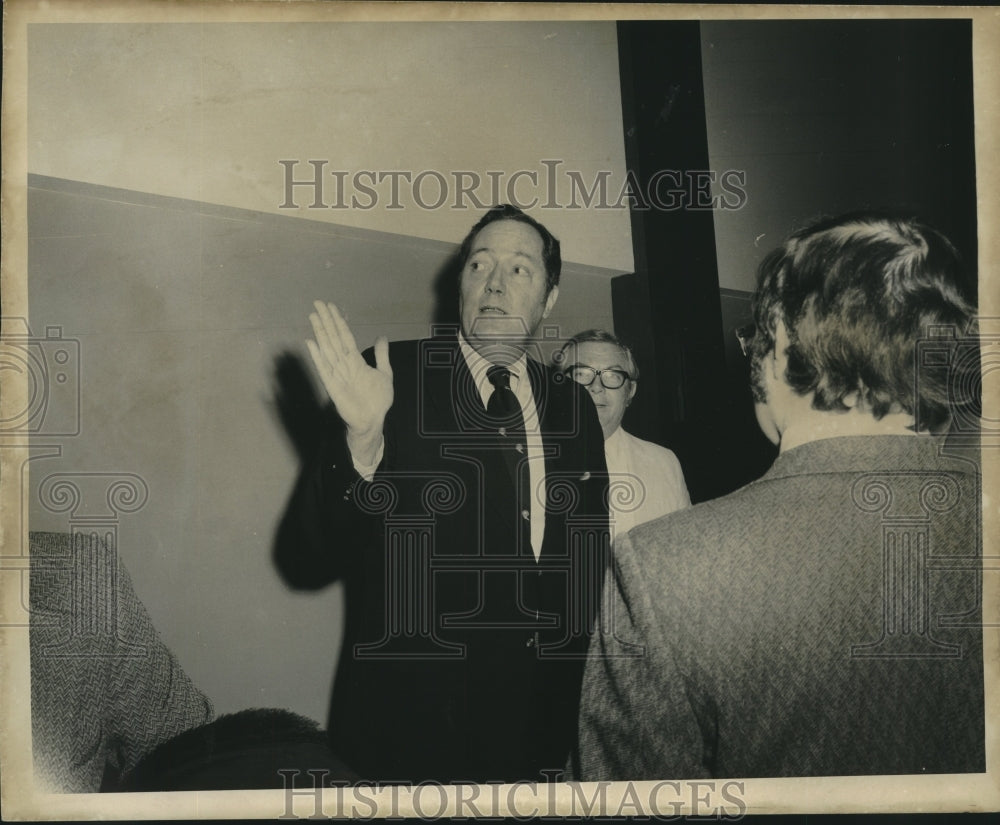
550	301
632	387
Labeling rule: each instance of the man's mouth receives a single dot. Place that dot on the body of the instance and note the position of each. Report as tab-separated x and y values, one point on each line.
491	310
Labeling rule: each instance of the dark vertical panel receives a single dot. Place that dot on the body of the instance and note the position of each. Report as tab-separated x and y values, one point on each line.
934	107
664	119
630	302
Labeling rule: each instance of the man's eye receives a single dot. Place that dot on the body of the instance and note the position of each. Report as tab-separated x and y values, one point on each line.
521	270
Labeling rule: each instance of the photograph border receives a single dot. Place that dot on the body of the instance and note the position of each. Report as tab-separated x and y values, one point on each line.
886	794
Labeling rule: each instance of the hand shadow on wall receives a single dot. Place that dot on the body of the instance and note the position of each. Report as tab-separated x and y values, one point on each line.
299	407
305	417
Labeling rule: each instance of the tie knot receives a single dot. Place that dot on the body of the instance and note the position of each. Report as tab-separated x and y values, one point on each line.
503	406
499	377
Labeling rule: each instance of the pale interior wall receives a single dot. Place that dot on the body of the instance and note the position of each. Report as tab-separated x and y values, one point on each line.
206	111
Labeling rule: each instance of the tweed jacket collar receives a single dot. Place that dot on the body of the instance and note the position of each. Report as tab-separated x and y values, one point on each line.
863	453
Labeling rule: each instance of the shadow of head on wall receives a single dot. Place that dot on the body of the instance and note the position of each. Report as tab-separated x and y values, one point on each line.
446	291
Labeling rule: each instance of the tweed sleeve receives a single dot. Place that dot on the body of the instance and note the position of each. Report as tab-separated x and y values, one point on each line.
104	688
150	698
638	718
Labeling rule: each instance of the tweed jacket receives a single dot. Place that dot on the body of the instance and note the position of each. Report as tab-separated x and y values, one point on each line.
823	620
462	655
105	690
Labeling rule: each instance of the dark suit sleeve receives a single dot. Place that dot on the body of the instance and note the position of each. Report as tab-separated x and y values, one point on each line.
324	528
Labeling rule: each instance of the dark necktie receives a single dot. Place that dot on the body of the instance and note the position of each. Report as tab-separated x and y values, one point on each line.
504	411
503	407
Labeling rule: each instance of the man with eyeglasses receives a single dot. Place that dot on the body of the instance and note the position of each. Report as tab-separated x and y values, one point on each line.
646	480
824	620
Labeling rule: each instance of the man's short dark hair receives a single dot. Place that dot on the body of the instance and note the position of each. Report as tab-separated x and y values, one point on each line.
856	293
551	255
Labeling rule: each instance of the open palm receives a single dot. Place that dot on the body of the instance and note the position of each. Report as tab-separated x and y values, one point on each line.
362	394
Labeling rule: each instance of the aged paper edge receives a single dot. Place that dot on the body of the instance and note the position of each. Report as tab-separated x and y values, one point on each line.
978	792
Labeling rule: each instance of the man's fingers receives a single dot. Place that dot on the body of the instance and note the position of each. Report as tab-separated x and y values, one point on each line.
382	355
314	354
337	332
344	334
324	340
336	335
327	333
357	391
321	363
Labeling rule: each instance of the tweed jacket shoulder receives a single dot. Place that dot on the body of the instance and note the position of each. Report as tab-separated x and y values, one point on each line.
823	620
105	690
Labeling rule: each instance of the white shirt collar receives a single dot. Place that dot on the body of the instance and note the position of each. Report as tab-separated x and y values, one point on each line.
479	366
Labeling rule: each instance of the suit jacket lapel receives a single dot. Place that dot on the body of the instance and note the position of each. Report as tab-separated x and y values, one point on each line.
449	396
539	377
541	390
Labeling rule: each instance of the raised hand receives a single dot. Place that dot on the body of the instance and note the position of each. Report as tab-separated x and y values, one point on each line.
361	394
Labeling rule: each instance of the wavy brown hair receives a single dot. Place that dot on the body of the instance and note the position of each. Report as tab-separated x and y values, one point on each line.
856	293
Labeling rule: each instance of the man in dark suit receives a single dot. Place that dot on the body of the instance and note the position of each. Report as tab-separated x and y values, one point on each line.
463	506
825	619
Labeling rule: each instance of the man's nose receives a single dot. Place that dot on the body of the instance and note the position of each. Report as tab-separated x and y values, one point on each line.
596	386
495	281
